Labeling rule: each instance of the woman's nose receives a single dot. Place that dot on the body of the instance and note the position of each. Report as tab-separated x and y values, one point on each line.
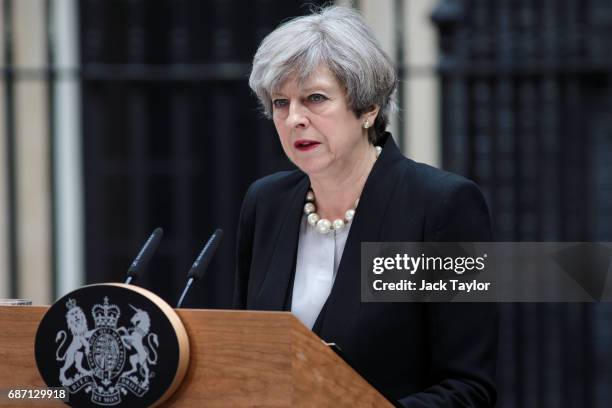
297	115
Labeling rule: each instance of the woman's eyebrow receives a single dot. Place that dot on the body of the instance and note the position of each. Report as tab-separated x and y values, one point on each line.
316	87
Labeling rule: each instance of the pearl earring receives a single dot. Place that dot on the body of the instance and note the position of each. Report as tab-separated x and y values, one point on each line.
366	124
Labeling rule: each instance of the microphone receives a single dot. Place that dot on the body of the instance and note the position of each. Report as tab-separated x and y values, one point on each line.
201	263
144	256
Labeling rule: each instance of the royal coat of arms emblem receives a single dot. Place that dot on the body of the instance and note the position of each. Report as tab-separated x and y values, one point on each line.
107	361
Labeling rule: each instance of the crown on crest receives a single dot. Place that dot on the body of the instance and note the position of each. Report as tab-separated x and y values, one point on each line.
71	304
106	315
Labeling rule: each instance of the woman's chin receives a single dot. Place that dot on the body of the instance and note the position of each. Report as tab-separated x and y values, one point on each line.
312	166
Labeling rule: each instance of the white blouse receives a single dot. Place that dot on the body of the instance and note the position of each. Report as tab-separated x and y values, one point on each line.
318	258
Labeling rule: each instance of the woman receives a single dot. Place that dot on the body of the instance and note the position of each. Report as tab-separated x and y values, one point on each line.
327	85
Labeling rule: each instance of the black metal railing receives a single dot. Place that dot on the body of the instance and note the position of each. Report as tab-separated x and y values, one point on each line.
526	96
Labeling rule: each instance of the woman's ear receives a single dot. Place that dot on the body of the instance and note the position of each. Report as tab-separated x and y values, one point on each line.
369	116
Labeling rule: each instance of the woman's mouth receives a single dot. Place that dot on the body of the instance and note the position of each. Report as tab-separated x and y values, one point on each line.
304	145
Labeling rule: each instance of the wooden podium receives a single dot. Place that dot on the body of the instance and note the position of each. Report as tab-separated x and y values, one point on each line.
237	359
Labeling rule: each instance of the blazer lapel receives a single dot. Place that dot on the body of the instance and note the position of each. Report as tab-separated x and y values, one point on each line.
276	286
345	298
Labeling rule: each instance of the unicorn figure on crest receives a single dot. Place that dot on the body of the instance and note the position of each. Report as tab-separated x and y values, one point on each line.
134	337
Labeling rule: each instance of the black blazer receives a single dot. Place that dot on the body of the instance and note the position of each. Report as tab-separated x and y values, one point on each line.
422	354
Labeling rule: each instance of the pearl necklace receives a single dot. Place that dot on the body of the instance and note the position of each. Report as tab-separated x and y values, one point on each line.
323	225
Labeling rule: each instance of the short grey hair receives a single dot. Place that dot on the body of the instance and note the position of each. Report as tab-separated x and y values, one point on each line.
339	38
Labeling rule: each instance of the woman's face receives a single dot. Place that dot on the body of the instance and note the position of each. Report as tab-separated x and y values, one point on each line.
318	131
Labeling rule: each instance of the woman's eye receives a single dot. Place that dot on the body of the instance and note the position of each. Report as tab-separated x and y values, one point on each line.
280	103
316	98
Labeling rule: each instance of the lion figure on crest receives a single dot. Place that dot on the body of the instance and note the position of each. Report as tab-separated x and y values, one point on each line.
77	324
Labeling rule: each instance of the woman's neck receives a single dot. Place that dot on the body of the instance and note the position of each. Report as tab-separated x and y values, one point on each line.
336	193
